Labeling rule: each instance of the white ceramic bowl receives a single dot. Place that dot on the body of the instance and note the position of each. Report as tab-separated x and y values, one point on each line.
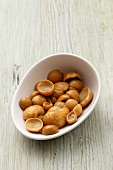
65	63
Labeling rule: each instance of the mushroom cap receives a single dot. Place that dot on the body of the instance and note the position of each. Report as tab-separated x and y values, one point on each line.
55	76
62	86
49	130
56	117
59	103
71	75
33	111
38	100
73	94
53	99
25	102
35	87
71	103
64	97
86	96
34	124
48	104
40	116
71	117
33	94
77	84
45	87
78	110
57	93
54	108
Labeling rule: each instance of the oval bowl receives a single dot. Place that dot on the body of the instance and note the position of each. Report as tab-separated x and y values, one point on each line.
64	62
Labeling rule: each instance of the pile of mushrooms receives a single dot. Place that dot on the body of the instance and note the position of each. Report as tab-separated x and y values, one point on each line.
55	102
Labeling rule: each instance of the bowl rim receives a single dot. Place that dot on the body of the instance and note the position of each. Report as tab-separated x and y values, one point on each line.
70	127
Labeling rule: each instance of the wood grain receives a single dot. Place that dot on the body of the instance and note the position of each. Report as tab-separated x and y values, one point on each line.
31	30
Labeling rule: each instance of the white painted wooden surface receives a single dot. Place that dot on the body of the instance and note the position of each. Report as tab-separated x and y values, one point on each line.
32	29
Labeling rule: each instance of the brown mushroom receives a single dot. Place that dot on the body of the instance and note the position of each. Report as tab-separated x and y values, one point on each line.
40	116
55	76
25	102
57	93
59	103
86	96
33	112
78	110
53	99
49	130
64	97
54	108
71	75
34	124
74	95
77	84
62	86
71	103
33	94
45	87
56	117
71	117
72	88
38	100
47	105
35	87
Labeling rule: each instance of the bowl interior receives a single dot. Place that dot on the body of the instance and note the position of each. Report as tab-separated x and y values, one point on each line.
65	63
